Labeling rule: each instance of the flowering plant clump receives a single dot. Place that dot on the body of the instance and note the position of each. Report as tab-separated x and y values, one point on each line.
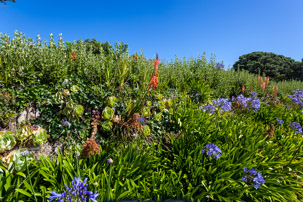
296	127
280	121
221	104
219	65
77	192
212	150
251	103
254	177
297	97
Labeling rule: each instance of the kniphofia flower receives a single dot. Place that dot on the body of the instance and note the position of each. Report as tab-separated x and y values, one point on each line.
73	55
275	91
155	77
243	89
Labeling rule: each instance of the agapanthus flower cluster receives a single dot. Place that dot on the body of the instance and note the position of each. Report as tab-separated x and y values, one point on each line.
141	120
254	93
296	127
77	192
252	103
219	65
280	121
212	150
65	123
297	97
25	153
253	177
221	104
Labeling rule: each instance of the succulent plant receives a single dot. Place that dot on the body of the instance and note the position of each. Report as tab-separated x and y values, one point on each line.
7	140
23	133
107	125
169	103
159	96
74	88
157	116
161	105
146	130
39	136
36	135
78	110
146	112
148	103
66	92
107	113
16	160
111	101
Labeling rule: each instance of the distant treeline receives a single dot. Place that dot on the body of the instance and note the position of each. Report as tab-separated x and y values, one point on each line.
278	67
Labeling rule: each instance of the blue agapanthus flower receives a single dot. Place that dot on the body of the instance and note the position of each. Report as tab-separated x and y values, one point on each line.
296	127
77	192
254	93
297	97
25	153
65	123
251	103
280	121
212	150
141	120
222	104
219	65
253	177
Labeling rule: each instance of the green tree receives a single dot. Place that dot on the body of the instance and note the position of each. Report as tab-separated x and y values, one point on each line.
95	46
297	72
275	66
4	1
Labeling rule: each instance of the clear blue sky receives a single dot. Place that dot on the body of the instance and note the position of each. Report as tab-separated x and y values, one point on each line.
225	28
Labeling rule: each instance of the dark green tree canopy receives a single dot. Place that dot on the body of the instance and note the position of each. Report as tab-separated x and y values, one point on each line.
95	46
275	66
4	1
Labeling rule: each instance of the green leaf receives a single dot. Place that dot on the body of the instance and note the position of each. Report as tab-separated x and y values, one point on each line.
24	192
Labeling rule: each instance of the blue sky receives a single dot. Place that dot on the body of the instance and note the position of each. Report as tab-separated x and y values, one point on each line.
185	28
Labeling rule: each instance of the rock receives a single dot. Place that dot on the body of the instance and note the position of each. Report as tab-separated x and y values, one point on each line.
28	114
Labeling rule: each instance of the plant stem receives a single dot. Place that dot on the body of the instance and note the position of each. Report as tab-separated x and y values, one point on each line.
108	186
30	181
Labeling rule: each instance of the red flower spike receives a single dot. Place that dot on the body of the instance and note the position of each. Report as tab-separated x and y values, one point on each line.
73	55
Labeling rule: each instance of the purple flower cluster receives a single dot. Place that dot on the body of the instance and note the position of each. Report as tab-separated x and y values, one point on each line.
252	176
212	150
253	93
296	127
222	104
297	97
25	153
77	192
251	103
280	121
219	65
141	120
65	123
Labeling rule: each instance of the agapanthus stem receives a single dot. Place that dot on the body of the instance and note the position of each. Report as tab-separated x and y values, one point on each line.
108	186
30	181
